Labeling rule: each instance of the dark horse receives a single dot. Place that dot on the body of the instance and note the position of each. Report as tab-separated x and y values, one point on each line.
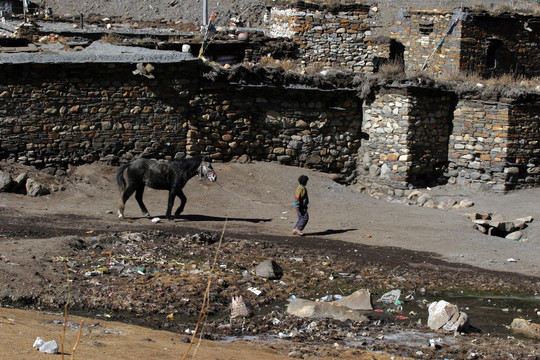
161	175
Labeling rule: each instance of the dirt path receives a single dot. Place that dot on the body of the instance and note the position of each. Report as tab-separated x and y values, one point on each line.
256	199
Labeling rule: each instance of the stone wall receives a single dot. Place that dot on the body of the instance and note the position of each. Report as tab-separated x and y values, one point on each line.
59	114
492	46
494	145
407	132
471	42
340	38
53	115
421	32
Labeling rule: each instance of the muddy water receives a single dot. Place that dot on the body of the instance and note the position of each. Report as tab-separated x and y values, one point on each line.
489	314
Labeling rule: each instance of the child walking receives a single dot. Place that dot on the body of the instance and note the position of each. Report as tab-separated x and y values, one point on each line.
301	201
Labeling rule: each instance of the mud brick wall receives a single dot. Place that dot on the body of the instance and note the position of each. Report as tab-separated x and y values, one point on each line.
421	32
59	114
334	38
493	46
407	132
494	145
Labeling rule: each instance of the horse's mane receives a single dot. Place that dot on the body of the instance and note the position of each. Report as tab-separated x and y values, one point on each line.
190	164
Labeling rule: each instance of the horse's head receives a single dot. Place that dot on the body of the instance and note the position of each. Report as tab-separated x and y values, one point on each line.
206	171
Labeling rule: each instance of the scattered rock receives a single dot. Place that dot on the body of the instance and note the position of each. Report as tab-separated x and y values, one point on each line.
315	309
359	300
463	204
270	270
447	316
35	188
526	328
5	181
37	344
516	235
50	347
20	183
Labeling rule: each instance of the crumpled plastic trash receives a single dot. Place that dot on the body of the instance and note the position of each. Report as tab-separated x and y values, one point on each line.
156	220
391	297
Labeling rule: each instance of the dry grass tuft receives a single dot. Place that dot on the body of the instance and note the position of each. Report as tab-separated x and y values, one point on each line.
112	39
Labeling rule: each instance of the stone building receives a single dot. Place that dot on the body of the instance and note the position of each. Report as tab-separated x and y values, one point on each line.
473	42
336	35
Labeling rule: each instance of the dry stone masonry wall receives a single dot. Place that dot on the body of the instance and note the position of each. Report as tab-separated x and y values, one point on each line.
407	131
494	145
334	38
59	114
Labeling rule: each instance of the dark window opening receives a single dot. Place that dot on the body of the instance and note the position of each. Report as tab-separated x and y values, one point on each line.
426	28
493	46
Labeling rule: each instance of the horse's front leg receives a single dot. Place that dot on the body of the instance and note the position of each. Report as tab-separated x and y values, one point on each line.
170	203
183	201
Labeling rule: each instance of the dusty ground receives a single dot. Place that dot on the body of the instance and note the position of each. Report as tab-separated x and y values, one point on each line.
153	274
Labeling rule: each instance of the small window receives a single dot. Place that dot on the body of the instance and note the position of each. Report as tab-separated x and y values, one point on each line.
426	28
493	46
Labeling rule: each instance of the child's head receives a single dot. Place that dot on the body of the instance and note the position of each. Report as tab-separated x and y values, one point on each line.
303	179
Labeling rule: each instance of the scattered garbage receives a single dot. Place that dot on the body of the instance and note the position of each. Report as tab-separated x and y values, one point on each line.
511	260
391	297
255	291
239	308
156	220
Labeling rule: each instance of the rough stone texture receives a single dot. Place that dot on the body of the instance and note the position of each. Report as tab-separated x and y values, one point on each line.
50	347
359	300
407	138
526	328
312	309
5	181
35	188
447	316
494	145
54	115
75	114
338	38
269	269
467	41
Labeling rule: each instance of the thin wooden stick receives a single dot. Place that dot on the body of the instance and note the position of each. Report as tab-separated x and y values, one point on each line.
65	309
206	295
77	342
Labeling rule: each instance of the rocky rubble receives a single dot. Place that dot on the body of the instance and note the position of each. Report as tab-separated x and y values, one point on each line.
160	278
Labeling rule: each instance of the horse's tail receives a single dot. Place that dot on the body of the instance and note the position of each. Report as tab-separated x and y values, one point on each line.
120	177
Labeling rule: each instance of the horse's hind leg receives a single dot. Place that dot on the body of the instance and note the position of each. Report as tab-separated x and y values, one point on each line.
125	196
183	201
139	197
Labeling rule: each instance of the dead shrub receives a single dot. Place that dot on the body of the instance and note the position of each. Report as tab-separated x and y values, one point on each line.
285	64
112	39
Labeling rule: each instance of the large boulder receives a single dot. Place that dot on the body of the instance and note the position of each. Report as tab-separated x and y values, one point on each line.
526	328
269	269
359	300
316	309
35	188
447	316
5	181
